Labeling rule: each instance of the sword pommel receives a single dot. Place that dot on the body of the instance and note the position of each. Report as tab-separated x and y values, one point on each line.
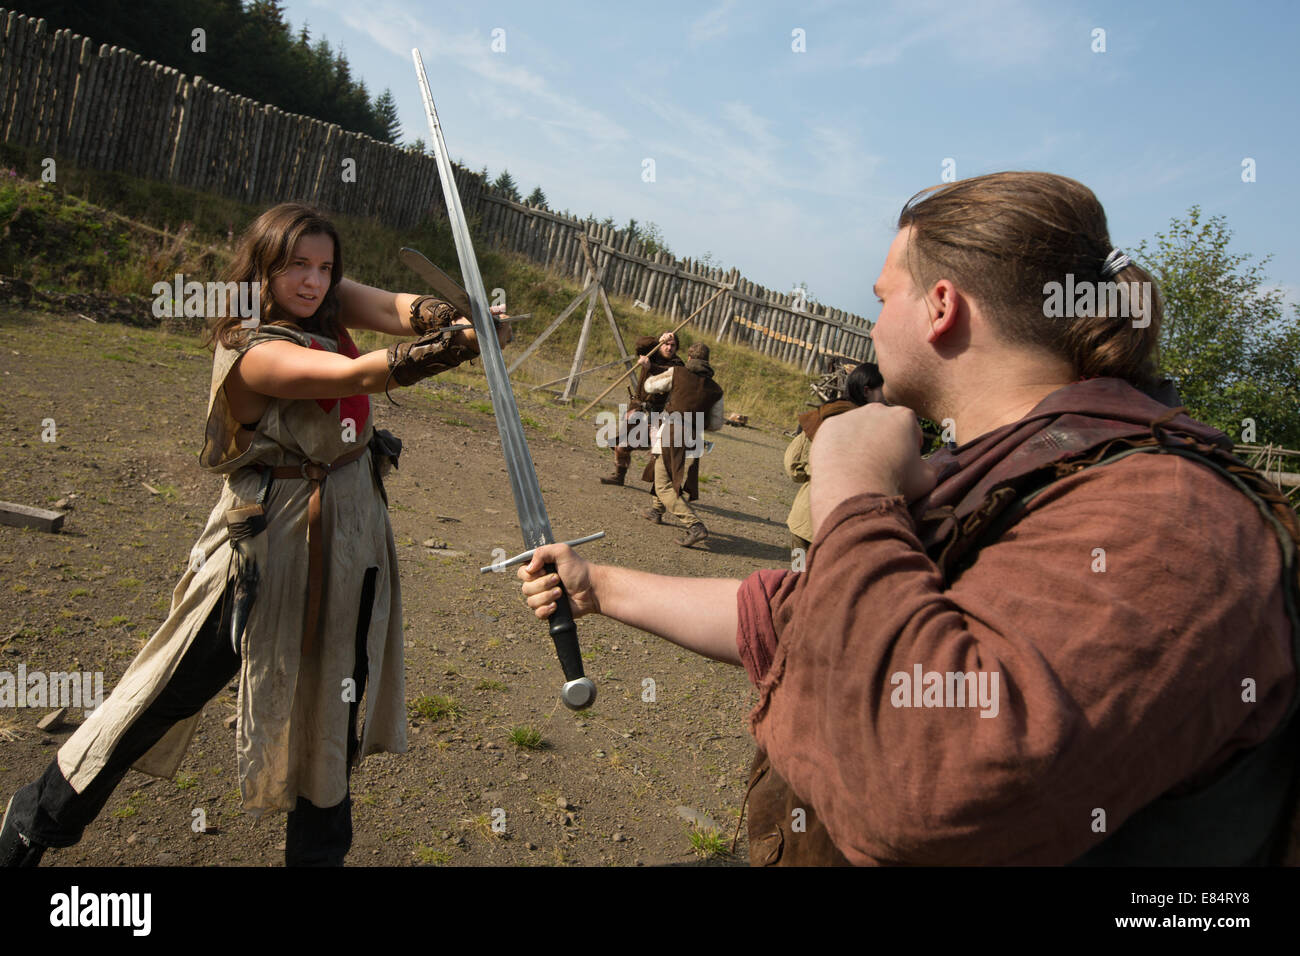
579	691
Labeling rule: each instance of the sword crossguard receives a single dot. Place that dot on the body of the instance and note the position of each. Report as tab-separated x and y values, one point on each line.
524	557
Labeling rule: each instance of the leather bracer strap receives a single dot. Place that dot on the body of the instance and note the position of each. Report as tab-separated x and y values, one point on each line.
409	362
429	313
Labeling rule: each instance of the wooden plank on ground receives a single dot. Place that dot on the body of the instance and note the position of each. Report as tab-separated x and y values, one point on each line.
21	516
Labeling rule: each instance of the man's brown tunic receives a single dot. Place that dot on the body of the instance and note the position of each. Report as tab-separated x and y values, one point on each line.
1117	685
649	345
693	393
642	401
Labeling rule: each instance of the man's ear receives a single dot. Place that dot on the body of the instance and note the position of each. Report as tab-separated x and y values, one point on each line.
946	305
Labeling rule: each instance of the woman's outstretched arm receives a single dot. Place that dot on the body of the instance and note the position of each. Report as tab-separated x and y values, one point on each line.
365	307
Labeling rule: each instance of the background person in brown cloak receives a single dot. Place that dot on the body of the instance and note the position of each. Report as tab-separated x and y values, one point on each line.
655	356
293	584
1067	639
694	406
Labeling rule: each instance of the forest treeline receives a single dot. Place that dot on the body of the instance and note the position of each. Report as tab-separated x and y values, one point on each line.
248	48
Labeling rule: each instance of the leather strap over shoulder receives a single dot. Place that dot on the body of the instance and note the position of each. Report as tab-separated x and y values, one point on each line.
1259	785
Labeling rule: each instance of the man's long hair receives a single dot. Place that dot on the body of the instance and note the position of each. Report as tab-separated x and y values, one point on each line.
1002	238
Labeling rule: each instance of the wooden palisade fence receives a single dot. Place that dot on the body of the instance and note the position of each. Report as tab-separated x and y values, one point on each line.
108	108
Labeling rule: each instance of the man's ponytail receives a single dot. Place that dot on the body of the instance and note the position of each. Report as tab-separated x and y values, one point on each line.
1034	250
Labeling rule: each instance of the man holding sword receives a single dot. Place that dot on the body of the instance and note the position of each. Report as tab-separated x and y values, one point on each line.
1132	614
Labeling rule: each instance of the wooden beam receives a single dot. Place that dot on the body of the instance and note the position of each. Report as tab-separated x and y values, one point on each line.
21	516
581	350
604	299
677	329
546	333
585	371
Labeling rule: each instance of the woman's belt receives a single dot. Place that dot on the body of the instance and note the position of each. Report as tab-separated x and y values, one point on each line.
316	473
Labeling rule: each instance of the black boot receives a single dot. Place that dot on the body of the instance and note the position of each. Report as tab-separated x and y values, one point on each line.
16	849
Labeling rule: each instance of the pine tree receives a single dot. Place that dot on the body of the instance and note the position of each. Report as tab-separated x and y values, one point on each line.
385	111
537	198
506	184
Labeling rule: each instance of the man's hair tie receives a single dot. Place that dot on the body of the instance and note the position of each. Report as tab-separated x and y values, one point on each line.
1114	263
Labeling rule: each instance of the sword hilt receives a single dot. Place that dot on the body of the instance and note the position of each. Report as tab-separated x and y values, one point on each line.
579	691
524	557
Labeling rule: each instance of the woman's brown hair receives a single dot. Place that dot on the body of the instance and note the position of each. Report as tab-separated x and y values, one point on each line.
1005	238
264	251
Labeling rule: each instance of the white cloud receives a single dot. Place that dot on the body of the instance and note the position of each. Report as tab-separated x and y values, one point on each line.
757	128
506	87
997	33
714	23
777	198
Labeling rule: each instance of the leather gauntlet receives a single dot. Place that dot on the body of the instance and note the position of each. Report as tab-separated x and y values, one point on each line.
431	353
429	313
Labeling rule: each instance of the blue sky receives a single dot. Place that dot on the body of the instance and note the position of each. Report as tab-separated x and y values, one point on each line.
793	165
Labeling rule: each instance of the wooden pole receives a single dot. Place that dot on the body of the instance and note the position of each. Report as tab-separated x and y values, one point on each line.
604	300
609	314
581	350
586	371
585	294
679	327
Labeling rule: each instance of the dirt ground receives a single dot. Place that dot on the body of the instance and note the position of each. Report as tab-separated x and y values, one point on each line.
614	785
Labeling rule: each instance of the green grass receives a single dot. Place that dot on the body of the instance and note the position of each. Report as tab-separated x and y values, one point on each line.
186	781
436	707
431	857
490	685
707	842
527	738
129	809
483	824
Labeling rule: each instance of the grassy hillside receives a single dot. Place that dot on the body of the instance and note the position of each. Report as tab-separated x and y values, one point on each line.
106	232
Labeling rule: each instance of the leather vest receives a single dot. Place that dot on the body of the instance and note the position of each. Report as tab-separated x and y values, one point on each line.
658	365
1246	815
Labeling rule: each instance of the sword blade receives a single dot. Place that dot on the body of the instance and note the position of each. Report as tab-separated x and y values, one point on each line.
533	520
578	691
